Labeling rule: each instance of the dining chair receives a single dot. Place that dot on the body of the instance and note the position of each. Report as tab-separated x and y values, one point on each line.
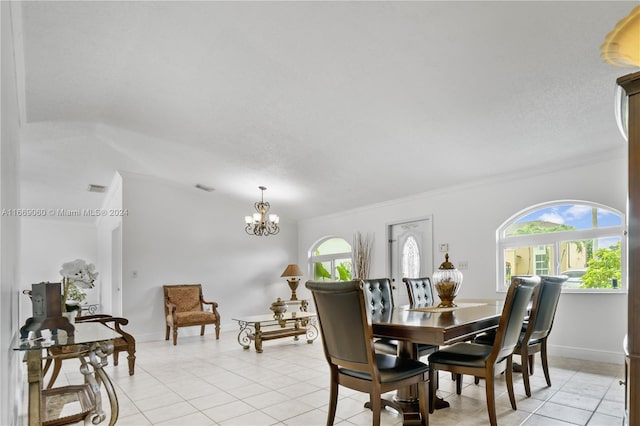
126	342
533	337
420	291
347	341
379	297
484	360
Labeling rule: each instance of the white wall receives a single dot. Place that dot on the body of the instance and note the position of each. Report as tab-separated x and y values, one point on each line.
110	295
467	219
11	383
45	246
175	235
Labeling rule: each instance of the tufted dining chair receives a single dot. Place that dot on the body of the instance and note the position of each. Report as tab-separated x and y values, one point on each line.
419	290
379	297
483	360
533	337
349	349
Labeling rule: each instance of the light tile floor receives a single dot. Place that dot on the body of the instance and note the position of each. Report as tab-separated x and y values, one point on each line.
202	381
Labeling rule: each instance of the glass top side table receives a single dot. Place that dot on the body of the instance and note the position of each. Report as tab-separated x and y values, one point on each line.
91	343
258	328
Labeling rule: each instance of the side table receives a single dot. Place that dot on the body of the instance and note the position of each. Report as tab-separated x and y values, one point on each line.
92	342
259	328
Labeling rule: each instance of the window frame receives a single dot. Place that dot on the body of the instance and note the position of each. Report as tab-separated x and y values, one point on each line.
331	257
556	238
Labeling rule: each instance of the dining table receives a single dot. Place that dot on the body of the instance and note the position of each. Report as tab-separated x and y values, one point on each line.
433	325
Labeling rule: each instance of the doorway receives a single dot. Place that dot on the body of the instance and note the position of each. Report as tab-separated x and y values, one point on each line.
410	253
116	271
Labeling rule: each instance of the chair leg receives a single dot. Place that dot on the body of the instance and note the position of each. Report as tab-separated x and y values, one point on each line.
509	378
202	330
545	362
333	399
376	407
459	384
175	336
532	359
47	364
166	334
422	403
433	387
525	358
115	357
132	363
217	331
57	364
491	397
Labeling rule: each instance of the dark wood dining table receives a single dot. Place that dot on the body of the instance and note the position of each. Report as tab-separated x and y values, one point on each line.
421	324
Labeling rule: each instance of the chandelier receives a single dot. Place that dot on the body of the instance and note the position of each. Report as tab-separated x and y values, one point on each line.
261	223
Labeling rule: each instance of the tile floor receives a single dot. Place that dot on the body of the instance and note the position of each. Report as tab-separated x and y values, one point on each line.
202	381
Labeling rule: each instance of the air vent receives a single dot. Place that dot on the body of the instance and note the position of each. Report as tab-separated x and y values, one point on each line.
96	188
205	187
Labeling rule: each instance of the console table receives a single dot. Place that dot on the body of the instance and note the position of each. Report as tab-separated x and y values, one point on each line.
267	327
92	343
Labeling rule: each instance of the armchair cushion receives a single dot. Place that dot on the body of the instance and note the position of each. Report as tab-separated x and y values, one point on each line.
197	317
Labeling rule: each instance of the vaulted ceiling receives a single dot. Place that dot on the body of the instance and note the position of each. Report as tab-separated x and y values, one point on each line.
331	105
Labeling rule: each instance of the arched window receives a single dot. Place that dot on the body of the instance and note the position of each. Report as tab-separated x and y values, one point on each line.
582	240
410	258
331	260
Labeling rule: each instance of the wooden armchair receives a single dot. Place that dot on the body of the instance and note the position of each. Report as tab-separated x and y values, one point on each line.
124	343
183	307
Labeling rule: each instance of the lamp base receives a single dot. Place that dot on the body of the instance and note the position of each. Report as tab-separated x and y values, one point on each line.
293	285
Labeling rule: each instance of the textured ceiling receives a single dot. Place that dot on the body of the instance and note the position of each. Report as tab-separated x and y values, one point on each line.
331	105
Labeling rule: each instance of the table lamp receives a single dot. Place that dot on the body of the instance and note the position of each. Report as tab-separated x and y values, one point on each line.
293	274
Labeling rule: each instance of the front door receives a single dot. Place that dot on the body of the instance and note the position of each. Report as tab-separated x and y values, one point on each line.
410	254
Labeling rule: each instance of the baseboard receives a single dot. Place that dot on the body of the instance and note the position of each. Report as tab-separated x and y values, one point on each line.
186	332
611	357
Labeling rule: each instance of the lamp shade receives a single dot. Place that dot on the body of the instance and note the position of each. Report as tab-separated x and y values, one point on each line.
622	45
292	271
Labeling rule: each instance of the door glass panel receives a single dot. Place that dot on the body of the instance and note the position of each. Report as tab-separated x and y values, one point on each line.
411	258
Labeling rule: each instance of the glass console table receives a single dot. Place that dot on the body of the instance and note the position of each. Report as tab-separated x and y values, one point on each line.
267	327
91	344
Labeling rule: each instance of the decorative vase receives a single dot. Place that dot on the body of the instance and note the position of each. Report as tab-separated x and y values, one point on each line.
279	307
447	280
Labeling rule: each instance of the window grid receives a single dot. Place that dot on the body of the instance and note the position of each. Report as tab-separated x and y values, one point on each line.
558	250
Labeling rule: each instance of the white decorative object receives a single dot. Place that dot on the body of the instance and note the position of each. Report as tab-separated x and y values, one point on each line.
77	275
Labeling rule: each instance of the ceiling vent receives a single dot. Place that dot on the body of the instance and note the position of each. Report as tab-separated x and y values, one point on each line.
205	187
96	188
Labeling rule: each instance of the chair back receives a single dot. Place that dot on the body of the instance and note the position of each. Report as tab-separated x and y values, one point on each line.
186	297
378	295
344	324
420	291
520	292
544	307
